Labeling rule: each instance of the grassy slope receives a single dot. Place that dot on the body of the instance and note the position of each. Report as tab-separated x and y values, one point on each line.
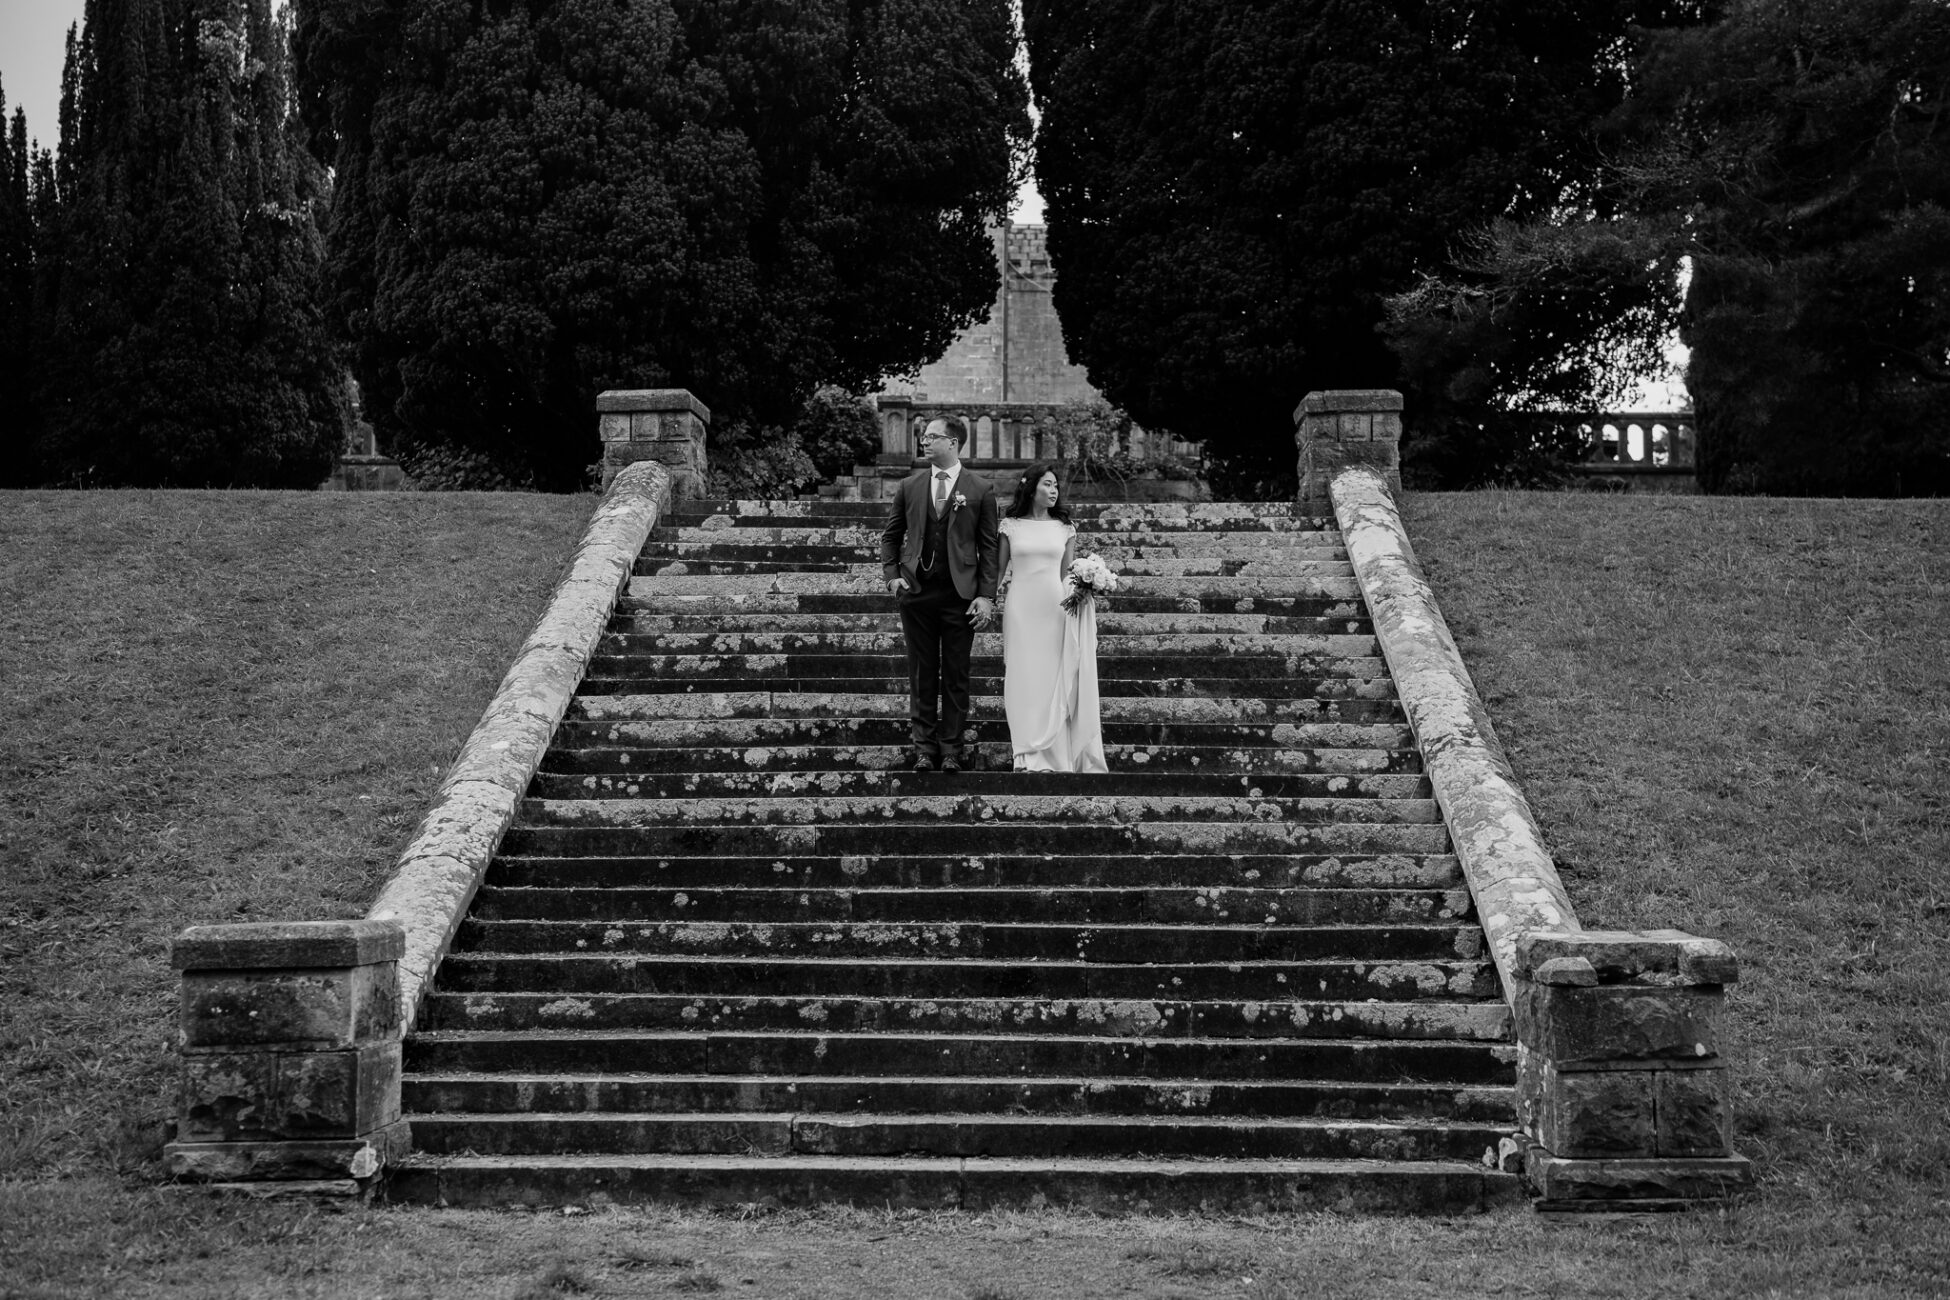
222	707
1732	716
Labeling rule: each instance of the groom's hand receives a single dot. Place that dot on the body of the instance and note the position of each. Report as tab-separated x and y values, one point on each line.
895	586
980	611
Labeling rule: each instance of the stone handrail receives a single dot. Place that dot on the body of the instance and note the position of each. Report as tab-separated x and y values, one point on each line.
435	878
1511	876
1621	1089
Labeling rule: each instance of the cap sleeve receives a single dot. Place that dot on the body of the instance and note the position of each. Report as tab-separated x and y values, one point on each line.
1006	525
1069	531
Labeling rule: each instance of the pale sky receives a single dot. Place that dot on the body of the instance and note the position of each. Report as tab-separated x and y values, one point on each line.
31	35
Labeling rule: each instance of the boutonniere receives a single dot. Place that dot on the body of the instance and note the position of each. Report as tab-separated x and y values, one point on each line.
960	500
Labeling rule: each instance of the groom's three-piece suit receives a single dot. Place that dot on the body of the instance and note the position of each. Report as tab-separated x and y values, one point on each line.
946	545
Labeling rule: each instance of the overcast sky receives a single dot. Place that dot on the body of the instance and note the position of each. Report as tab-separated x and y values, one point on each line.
31	32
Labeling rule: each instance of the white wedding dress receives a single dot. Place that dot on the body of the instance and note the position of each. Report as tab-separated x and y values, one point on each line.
1049	683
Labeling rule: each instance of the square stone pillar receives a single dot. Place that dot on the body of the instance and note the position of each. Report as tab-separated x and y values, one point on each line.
1621	1087
660	424
1341	429
291	1052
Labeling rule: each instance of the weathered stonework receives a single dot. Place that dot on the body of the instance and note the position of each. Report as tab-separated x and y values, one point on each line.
1621	1087
1339	430
435	878
290	1051
665	425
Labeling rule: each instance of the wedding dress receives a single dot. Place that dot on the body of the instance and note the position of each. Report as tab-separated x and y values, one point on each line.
1049	682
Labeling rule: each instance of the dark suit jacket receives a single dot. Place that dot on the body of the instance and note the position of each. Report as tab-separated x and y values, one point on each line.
974	540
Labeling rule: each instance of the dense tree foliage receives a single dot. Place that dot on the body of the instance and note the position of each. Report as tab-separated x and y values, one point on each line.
18	425
1796	154
1232	186
177	341
540	199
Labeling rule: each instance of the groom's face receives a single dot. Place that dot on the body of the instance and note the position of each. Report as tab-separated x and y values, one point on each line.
943	448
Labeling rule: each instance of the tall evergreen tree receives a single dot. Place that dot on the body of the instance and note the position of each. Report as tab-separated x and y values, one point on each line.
184	346
539	199
1232	186
18	425
1797	153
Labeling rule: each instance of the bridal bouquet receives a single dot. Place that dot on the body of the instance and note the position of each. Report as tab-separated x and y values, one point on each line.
1090	580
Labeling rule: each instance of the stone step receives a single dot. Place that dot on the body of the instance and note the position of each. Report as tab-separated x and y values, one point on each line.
1196	649
1202	588
957	1183
1100	905
766	629
948	805
1333	698
1001	871
585	972
1060	839
696	784
1430	1060
996	941
862	544
1134	763
1174	1099
1102	513
1359	742
808	706
1114	663
782	1133
735	608
1135	571
1419	1020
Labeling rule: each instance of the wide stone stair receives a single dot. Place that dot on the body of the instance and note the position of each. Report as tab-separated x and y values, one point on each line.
733	952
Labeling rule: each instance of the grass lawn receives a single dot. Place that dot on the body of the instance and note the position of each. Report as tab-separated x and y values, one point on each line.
1732	716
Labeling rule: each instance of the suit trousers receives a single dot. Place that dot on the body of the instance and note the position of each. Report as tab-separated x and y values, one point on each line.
940	642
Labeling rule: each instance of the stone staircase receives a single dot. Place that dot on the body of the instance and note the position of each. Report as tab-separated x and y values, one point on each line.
732	952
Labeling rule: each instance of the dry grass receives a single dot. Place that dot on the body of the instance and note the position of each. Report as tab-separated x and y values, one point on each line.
1732	716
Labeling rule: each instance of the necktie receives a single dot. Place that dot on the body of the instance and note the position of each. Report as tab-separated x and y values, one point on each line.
940	490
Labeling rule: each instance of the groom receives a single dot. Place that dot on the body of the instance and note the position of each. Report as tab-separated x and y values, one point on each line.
939	553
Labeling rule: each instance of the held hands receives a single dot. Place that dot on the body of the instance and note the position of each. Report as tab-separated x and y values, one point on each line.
980	611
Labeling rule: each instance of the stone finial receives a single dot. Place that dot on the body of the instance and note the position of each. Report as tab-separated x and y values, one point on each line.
1342	428
666	425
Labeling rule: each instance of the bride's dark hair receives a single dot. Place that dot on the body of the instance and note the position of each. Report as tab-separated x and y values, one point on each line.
1026	492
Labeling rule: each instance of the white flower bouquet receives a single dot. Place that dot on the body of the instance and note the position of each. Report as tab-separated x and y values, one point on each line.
1090	580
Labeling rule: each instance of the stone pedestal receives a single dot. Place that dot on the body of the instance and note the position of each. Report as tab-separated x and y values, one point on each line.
661	424
291	1052
1341	429
1621	1087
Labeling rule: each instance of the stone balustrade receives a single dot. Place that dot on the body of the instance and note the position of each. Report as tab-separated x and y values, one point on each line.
1004	431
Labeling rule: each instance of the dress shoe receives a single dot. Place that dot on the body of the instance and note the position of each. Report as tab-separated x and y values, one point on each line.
922	763
951	765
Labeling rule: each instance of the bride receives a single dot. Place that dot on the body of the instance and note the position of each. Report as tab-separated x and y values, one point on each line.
1049	683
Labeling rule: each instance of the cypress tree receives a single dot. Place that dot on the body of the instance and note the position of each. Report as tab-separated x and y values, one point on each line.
538	200
17	422
184	348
